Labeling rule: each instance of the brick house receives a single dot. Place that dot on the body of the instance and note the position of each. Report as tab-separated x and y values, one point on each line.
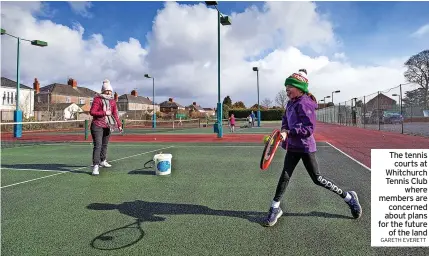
64	93
380	102
171	107
133	102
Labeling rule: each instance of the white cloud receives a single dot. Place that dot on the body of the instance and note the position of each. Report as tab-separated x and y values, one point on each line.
340	56
81	8
182	55
423	30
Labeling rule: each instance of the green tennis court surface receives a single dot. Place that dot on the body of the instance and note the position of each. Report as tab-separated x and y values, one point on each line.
211	204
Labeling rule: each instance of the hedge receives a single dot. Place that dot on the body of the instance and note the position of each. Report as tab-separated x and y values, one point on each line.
267	115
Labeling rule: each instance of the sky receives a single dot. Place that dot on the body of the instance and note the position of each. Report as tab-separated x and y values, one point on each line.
358	48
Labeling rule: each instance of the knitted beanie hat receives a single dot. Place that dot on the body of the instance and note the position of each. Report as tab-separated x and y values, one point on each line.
298	80
106	86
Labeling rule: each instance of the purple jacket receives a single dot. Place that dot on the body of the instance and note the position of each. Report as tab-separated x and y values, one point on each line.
300	120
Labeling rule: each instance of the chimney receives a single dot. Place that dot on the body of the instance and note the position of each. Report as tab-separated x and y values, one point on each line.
170	99
72	83
116	96
134	93
36	85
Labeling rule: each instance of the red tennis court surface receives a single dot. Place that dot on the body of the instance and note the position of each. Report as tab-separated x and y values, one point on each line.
356	142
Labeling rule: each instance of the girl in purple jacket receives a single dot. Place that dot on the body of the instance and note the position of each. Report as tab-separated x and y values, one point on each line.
298	127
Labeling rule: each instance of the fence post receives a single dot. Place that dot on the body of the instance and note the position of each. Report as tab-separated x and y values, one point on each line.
339	110
400	107
378	110
364	111
86	129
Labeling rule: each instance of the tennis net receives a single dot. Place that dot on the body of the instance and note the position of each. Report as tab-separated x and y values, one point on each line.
43	132
146	126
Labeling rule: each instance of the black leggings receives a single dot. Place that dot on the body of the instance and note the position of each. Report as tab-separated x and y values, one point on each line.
310	163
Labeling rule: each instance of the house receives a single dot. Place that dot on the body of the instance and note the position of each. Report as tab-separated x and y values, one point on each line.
171	107
380	102
8	102
133	102
195	110
64	93
210	111
57	111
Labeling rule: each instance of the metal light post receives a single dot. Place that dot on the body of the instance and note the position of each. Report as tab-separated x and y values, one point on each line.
324	112
221	20
332	100
257	85
17	115
153	100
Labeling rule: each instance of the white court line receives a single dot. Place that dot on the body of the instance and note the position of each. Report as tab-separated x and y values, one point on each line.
83	168
37	170
361	164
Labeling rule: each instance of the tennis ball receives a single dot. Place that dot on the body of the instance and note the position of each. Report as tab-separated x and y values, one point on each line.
266	138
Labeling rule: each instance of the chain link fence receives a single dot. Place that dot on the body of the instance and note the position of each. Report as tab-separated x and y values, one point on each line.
401	109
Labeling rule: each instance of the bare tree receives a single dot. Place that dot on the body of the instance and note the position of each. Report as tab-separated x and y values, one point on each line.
267	103
281	98
418	72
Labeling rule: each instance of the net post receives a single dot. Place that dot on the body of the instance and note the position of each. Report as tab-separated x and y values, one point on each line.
123	125
86	129
199	123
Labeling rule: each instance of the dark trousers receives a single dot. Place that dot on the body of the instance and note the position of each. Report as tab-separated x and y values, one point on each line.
100	139
310	162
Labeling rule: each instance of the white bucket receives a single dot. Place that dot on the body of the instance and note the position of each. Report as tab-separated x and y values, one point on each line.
162	164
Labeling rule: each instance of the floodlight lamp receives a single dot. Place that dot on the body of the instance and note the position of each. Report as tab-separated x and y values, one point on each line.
225	20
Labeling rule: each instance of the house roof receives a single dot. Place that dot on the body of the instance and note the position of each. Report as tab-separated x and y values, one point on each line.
68	90
6	82
381	96
40	106
170	104
134	99
196	107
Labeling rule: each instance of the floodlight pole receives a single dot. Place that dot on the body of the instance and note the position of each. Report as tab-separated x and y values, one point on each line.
153	103
153	100
219	104
17	114
224	21
257	86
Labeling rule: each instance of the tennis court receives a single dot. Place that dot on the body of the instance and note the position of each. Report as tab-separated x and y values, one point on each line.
211	204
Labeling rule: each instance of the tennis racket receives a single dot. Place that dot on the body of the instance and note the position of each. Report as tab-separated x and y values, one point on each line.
270	148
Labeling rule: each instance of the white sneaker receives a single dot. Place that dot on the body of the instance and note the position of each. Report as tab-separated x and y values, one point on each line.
95	170
105	164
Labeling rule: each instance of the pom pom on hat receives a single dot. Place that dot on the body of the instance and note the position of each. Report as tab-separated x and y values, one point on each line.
106	86
298	80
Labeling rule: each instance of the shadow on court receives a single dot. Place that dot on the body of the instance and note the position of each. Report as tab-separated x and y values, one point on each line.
144	211
50	167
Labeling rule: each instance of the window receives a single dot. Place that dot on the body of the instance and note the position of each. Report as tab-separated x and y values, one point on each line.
67	99
11	98
81	101
8	99
4	97
90	101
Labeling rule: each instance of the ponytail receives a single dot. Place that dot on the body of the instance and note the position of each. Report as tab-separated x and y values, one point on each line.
311	96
